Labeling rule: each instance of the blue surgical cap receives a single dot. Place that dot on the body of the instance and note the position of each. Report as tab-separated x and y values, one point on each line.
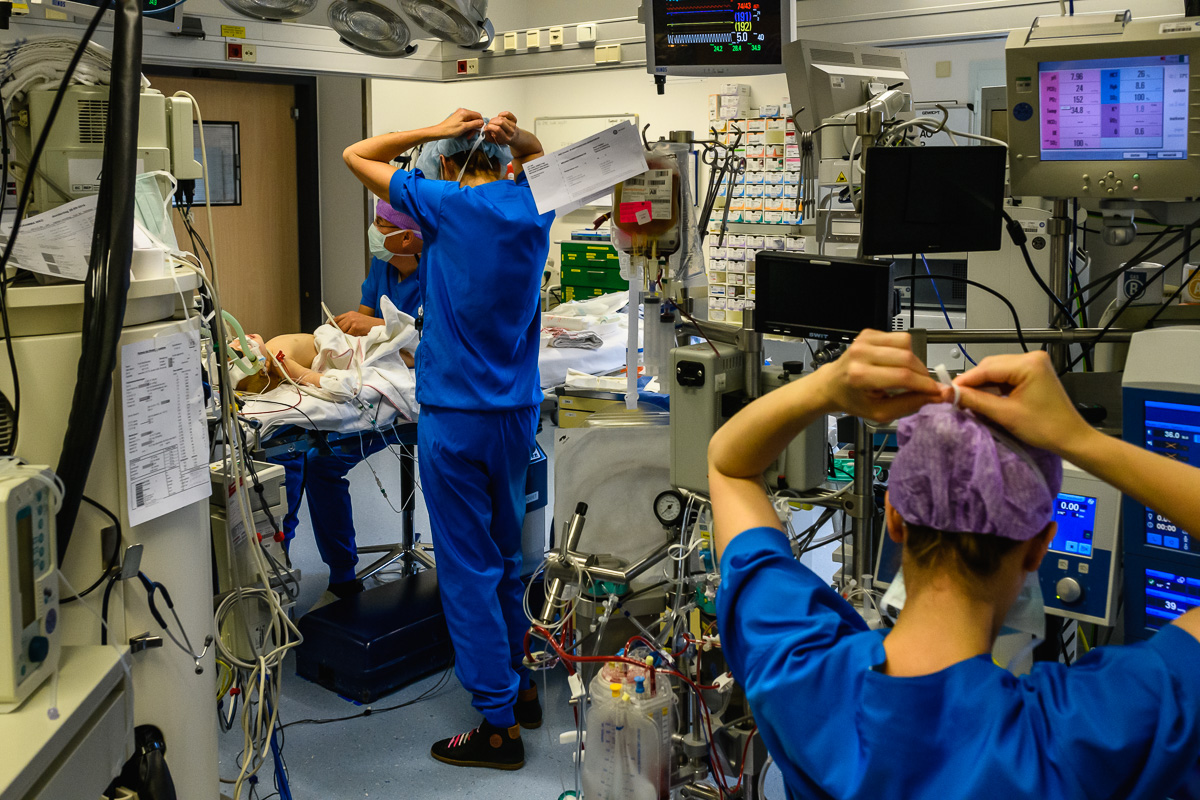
430	165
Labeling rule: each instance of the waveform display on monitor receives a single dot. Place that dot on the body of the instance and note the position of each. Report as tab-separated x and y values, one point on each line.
717	31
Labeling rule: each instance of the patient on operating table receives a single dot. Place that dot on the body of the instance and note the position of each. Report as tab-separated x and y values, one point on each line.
290	353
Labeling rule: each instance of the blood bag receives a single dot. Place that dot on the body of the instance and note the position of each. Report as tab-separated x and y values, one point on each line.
646	209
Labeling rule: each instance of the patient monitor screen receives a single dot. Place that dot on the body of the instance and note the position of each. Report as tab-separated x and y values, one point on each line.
717	32
1076	518
1169	596
1172	430
1115	109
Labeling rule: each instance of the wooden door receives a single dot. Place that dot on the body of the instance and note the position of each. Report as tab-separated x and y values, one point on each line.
258	251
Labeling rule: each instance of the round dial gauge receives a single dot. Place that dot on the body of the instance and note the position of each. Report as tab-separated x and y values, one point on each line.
668	507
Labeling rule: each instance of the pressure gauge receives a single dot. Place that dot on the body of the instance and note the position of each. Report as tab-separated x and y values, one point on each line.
668	507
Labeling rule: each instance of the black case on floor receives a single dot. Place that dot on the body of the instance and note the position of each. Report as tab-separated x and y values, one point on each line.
373	643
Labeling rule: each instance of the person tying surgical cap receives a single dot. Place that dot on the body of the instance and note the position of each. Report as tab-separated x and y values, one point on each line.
922	711
395	243
485	248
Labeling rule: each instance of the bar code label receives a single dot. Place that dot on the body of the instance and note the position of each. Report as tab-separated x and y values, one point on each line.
139	494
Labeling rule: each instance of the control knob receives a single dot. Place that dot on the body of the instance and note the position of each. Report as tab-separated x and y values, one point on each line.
1068	590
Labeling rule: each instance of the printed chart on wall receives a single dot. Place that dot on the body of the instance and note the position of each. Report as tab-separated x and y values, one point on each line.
555	133
166	443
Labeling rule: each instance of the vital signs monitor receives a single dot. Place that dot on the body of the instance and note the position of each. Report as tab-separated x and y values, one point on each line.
1099	108
718	37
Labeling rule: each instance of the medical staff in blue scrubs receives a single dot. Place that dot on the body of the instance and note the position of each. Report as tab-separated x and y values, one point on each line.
485	248
923	712
395	242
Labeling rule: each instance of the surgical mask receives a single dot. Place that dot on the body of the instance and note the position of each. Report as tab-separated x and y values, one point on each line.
152	210
1027	614
377	239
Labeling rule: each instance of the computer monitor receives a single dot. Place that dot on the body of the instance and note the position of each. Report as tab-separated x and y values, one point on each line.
827	78
718	37
1101	110
821	297
933	200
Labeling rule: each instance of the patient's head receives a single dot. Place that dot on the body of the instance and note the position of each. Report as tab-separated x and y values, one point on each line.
257	380
393	233
968	500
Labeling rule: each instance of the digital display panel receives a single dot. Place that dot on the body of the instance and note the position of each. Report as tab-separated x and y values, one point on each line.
717	32
1076	519
25	566
1169	596
1172	430
1114	109
854	295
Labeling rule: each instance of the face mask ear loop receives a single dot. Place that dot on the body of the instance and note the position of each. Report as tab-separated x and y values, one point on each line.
944	376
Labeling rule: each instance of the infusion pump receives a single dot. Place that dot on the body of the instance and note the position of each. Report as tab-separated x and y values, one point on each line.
29	634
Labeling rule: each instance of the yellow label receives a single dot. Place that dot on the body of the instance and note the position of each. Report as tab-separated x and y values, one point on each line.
841	177
20	8
233	31
56	15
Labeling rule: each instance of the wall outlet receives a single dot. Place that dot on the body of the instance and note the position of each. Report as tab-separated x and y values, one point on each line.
608	54
533	39
510	40
556	37
233	51
585	33
249	53
472	66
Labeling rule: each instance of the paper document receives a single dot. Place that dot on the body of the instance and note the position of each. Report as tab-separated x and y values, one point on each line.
166	441
57	242
579	173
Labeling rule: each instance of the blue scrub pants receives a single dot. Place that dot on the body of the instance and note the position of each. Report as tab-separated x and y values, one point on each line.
473	467
323	479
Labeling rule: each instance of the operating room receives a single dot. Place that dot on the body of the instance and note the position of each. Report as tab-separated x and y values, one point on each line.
689	399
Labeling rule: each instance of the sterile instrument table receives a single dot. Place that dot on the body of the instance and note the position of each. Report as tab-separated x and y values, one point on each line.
76	756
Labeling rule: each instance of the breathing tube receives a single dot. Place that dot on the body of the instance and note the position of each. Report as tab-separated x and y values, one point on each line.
107	286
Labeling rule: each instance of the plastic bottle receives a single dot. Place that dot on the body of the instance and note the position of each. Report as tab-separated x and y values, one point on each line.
604	768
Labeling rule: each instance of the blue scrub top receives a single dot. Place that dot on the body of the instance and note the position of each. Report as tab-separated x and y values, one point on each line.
1123	722
485	249
384	279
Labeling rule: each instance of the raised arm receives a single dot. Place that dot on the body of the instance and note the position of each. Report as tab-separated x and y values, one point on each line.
863	382
1037	410
370	159
502	129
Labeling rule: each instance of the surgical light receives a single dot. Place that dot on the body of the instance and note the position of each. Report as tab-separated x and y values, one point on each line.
460	22
370	28
272	9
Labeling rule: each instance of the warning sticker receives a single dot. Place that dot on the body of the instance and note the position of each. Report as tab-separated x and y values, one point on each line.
233	31
650	191
841	177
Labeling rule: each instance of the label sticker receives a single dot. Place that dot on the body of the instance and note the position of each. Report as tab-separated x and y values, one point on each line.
838	81
1024	85
650	190
631	212
841	177
84	173
1178	27
233	31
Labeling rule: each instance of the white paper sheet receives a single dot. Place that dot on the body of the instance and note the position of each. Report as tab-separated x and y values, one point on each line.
166	441
568	178
57	242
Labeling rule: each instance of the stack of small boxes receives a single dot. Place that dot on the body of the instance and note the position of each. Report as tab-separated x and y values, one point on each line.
767	195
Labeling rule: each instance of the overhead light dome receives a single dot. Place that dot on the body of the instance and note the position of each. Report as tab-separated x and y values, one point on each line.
272	9
370	28
461	22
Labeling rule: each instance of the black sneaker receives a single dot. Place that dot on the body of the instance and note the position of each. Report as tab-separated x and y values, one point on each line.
486	746
527	709
344	589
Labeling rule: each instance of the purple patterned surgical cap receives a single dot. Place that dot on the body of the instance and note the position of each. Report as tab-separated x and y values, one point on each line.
956	472
398	218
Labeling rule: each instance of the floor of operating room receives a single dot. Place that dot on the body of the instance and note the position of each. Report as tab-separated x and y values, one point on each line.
387	754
